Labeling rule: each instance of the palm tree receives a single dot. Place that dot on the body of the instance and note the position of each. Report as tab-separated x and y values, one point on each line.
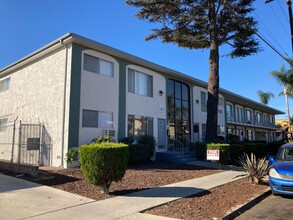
265	96
285	78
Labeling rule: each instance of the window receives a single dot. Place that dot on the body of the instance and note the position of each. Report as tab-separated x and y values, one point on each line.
3	122
265	119
140	83
258	117
229	112
97	119
248	116
239	114
203	101
139	125
5	84
221	130
271	119
96	65
221	101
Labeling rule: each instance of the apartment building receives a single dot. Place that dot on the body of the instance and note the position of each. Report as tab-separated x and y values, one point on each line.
77	89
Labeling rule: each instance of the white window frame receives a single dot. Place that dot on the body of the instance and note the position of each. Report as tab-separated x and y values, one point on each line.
135	78
5	84
98	122
99	63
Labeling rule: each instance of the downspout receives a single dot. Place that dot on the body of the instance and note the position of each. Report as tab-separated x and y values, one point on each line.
64	102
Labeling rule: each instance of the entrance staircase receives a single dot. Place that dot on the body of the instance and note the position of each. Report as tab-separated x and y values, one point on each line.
174	157
178	153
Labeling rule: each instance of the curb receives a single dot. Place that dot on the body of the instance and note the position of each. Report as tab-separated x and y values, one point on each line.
246	206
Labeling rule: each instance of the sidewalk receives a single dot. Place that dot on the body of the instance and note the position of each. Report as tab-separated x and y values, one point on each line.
20	199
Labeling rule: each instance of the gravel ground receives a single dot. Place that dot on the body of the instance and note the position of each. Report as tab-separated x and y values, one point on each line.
213	203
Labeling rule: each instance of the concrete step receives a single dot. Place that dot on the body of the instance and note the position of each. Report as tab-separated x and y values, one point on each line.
175	157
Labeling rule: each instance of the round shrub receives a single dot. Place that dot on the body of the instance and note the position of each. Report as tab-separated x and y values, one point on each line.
104	163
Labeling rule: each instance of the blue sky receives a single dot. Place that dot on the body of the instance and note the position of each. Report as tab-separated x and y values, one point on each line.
28	25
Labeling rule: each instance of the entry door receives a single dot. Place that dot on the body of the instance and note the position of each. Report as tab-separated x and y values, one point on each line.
162	133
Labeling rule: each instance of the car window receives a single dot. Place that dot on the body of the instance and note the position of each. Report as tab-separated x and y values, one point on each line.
285	154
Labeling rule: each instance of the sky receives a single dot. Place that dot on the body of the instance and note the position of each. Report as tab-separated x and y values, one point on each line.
28	25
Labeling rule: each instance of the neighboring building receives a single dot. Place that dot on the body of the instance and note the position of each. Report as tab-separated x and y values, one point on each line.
79	89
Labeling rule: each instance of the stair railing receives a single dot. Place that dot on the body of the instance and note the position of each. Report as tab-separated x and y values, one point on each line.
178	147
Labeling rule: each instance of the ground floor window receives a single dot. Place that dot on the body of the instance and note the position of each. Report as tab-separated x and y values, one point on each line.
97	119
140	125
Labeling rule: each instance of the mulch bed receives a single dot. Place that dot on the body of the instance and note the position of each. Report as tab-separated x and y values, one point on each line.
207	205
137	177
212	204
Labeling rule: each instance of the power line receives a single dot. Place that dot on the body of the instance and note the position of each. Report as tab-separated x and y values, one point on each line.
272	47
266	29
286	30
286	17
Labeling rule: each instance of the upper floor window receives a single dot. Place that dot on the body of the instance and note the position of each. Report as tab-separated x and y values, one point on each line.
258	117
265	119
248	117
221	101
271	118
203	101
5	84
239	114
140	83
97	65
229	111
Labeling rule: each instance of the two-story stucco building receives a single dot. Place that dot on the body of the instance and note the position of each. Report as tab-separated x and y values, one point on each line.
79	89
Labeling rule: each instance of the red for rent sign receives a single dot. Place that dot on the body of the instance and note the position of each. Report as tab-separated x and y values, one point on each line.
213	155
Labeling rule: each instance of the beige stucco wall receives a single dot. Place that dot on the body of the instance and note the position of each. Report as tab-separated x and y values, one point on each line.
36	95
147	106
98	93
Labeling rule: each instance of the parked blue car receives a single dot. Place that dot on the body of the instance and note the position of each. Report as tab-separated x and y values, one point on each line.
281	172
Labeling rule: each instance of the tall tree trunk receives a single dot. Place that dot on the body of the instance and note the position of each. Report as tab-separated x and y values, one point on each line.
213	81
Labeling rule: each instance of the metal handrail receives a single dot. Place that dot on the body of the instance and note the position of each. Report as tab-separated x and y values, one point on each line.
178	147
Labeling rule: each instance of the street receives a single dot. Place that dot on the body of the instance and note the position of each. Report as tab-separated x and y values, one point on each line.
273	207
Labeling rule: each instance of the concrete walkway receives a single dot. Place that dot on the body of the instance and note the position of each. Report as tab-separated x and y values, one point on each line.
20	199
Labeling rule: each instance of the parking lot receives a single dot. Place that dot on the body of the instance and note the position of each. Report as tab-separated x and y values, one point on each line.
271	208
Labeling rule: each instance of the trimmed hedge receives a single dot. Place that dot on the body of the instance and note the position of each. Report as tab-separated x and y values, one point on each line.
104	163
140	153
224	151
199	150
273	147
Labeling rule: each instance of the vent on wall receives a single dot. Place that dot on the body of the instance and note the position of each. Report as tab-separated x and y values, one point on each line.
110	133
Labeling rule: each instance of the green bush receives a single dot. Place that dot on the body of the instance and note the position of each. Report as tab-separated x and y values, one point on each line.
127	140
257	148
236	150
224	151
147	139
72	154
199	150
140	153
102	139
104	163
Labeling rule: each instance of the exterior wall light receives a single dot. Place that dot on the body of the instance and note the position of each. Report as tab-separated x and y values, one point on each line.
161	92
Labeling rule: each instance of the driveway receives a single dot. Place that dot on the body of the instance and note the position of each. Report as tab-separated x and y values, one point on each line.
273	207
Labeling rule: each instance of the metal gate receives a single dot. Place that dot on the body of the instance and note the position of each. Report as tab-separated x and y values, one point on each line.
25	143
34	145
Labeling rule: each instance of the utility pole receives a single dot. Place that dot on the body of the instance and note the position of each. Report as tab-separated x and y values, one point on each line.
289	3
